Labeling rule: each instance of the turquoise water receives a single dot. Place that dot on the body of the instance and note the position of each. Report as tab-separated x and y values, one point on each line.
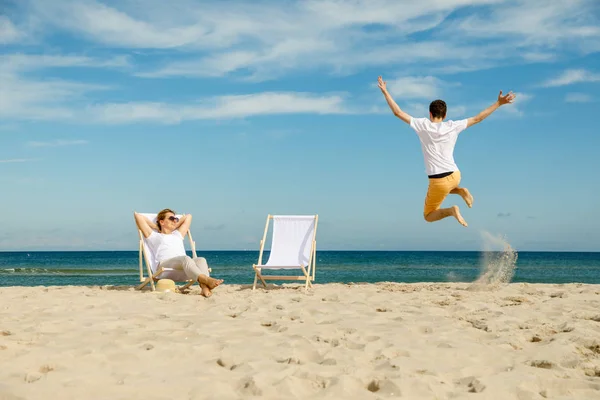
121	267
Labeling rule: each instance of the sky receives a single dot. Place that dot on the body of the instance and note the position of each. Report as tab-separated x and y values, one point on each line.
233	110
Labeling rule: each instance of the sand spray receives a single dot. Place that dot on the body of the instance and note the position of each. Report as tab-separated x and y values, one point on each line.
498	262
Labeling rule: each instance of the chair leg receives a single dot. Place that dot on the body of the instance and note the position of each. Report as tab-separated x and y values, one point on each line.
263	281
143	284
187	285
307	278
255	278
258	276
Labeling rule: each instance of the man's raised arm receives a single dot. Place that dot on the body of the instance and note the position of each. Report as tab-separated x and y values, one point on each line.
507	99
395	109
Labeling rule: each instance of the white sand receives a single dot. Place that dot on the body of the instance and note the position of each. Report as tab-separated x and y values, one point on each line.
417	341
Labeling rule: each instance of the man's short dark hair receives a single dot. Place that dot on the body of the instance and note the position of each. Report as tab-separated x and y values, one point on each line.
438	109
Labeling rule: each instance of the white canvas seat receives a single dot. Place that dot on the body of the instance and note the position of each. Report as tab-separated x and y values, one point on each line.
154	272
293	246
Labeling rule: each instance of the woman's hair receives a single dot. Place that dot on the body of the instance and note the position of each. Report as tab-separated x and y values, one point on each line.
161	216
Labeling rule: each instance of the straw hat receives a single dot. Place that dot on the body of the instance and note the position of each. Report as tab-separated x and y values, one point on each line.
165	285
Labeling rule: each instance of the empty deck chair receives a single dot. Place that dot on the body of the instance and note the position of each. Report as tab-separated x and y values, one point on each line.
293	246
154	272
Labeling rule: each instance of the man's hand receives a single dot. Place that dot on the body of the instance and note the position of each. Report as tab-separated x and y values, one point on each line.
393	106
381	83
507	99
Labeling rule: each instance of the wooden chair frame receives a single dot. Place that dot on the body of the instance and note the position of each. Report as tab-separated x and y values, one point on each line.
308	273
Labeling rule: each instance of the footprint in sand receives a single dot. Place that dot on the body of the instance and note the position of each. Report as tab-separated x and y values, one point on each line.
385	387
30	378
473	384
328	361
274	326
332	342
354	346
44	369
290	360
425	329
545	364
226	364
249	387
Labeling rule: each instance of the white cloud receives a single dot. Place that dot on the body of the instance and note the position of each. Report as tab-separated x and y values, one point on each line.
521	97
458	111
223	107
418	110
208	24
15	160
534	22
8	31
57	143
218	65
55	100
22	97
416	87
578	98
24	62
39	99
539	56
572	76
266	39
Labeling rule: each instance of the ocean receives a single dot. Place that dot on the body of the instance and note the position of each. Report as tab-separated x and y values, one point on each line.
122	267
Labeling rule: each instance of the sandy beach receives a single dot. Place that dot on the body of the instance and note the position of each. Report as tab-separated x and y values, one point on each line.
363	341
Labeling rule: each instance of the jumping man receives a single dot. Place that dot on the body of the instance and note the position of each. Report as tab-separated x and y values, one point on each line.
438	138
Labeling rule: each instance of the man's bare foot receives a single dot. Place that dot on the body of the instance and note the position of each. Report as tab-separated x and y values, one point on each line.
467	197
455	212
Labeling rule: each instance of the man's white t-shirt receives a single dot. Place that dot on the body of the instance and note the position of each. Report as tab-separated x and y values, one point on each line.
437	142
166	246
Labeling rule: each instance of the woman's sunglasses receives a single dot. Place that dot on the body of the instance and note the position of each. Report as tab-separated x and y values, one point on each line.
173	218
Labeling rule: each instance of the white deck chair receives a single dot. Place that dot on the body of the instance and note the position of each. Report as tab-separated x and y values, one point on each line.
155	273
293	246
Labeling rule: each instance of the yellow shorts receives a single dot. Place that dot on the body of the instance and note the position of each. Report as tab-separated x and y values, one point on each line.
438	189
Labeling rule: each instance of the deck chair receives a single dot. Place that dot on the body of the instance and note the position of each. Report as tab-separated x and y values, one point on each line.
154	273
293	246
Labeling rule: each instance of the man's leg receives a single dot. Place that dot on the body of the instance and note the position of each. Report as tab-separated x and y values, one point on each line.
442	213
465	194
436	193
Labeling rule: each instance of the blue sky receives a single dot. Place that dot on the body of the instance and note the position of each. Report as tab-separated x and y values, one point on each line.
233	110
